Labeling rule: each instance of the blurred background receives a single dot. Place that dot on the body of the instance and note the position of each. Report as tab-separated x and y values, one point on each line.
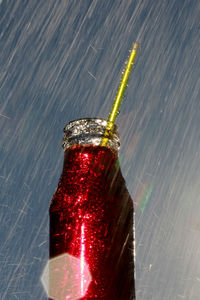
62	60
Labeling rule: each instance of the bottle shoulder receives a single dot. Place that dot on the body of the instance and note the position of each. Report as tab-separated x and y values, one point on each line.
89	174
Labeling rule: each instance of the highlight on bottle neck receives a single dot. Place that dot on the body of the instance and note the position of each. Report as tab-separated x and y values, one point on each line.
90	131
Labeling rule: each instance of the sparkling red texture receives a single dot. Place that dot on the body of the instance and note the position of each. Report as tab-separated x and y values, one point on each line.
92	191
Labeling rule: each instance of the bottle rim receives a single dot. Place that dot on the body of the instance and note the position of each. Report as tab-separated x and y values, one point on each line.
90	131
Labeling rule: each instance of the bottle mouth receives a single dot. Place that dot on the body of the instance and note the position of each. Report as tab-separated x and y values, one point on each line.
90	131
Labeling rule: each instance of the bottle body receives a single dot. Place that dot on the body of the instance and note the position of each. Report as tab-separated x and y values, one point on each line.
91	220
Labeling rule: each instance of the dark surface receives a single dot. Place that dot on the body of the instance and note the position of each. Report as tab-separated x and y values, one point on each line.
62	60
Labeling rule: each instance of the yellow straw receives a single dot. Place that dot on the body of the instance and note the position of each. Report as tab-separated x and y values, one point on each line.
120	93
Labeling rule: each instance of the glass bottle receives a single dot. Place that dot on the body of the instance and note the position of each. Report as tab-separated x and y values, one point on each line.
91	219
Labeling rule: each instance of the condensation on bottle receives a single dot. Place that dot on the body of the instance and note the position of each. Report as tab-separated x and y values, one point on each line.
91	219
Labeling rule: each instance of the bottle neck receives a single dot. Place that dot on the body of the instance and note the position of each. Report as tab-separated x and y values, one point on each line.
90	158
91	132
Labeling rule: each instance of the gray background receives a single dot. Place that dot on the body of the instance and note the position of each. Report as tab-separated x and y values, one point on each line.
62	60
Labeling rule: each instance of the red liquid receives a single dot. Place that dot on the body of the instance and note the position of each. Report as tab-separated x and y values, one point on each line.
91	218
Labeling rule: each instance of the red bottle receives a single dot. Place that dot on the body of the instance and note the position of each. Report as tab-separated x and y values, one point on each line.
91	219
